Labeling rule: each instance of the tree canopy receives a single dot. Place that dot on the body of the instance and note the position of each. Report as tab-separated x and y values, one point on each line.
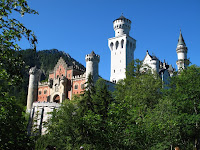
13	124
140	114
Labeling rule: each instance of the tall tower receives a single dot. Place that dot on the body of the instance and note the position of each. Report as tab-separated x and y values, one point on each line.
181	51
34	74
92	65
122	48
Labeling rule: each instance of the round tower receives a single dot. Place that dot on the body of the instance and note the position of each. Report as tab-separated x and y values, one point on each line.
155	64
32	88
92	65
181	51
122	48
121	26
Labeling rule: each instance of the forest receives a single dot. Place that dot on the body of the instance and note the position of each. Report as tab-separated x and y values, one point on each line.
142	112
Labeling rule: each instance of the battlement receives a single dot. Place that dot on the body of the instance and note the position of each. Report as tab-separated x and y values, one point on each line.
43	83
34	70
82	76
46	104
78	68
92	57
121	26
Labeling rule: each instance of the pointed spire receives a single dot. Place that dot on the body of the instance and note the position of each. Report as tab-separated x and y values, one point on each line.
181	40
92	53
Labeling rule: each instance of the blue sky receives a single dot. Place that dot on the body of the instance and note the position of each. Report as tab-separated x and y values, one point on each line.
80	26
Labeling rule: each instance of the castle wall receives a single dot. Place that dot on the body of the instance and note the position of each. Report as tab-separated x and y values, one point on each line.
78	86
43	93
60	71
40	114
69	74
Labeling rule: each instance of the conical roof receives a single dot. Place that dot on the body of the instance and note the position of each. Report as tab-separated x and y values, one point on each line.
122	18
181	40
92	53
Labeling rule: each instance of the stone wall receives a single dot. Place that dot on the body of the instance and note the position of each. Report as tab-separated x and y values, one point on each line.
40	113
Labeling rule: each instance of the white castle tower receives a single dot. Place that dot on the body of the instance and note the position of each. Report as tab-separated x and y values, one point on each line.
122	48
34	74
181	51
92	65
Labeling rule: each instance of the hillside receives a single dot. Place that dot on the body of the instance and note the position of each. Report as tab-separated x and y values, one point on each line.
46	59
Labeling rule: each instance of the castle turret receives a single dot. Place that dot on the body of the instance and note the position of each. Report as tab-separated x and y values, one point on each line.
92	65
33	87
155	64
121	26
181	51
122	48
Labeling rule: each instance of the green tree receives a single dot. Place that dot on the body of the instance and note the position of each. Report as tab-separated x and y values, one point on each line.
11	31
135	96
175	119
13	124
81	121
185	97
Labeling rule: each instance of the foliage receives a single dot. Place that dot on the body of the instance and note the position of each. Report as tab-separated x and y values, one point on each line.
11	31
13	123
138	94
139	115
185	98
81	121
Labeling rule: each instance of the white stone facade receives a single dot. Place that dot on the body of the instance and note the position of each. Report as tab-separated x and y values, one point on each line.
40	113
92	65
122	48
34	74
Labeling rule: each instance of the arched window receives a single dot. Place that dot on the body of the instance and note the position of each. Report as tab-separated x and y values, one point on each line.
82	86
122	43
117	44
40	92
45	91
76	86
56	99
111	45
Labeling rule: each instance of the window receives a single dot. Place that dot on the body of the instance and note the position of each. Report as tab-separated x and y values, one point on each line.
114	71
45	91
82	86
122	43
69	75
40	92
117	44
111	45
76	86
57	76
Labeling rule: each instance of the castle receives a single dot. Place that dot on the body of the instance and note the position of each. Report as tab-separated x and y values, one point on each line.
67	80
